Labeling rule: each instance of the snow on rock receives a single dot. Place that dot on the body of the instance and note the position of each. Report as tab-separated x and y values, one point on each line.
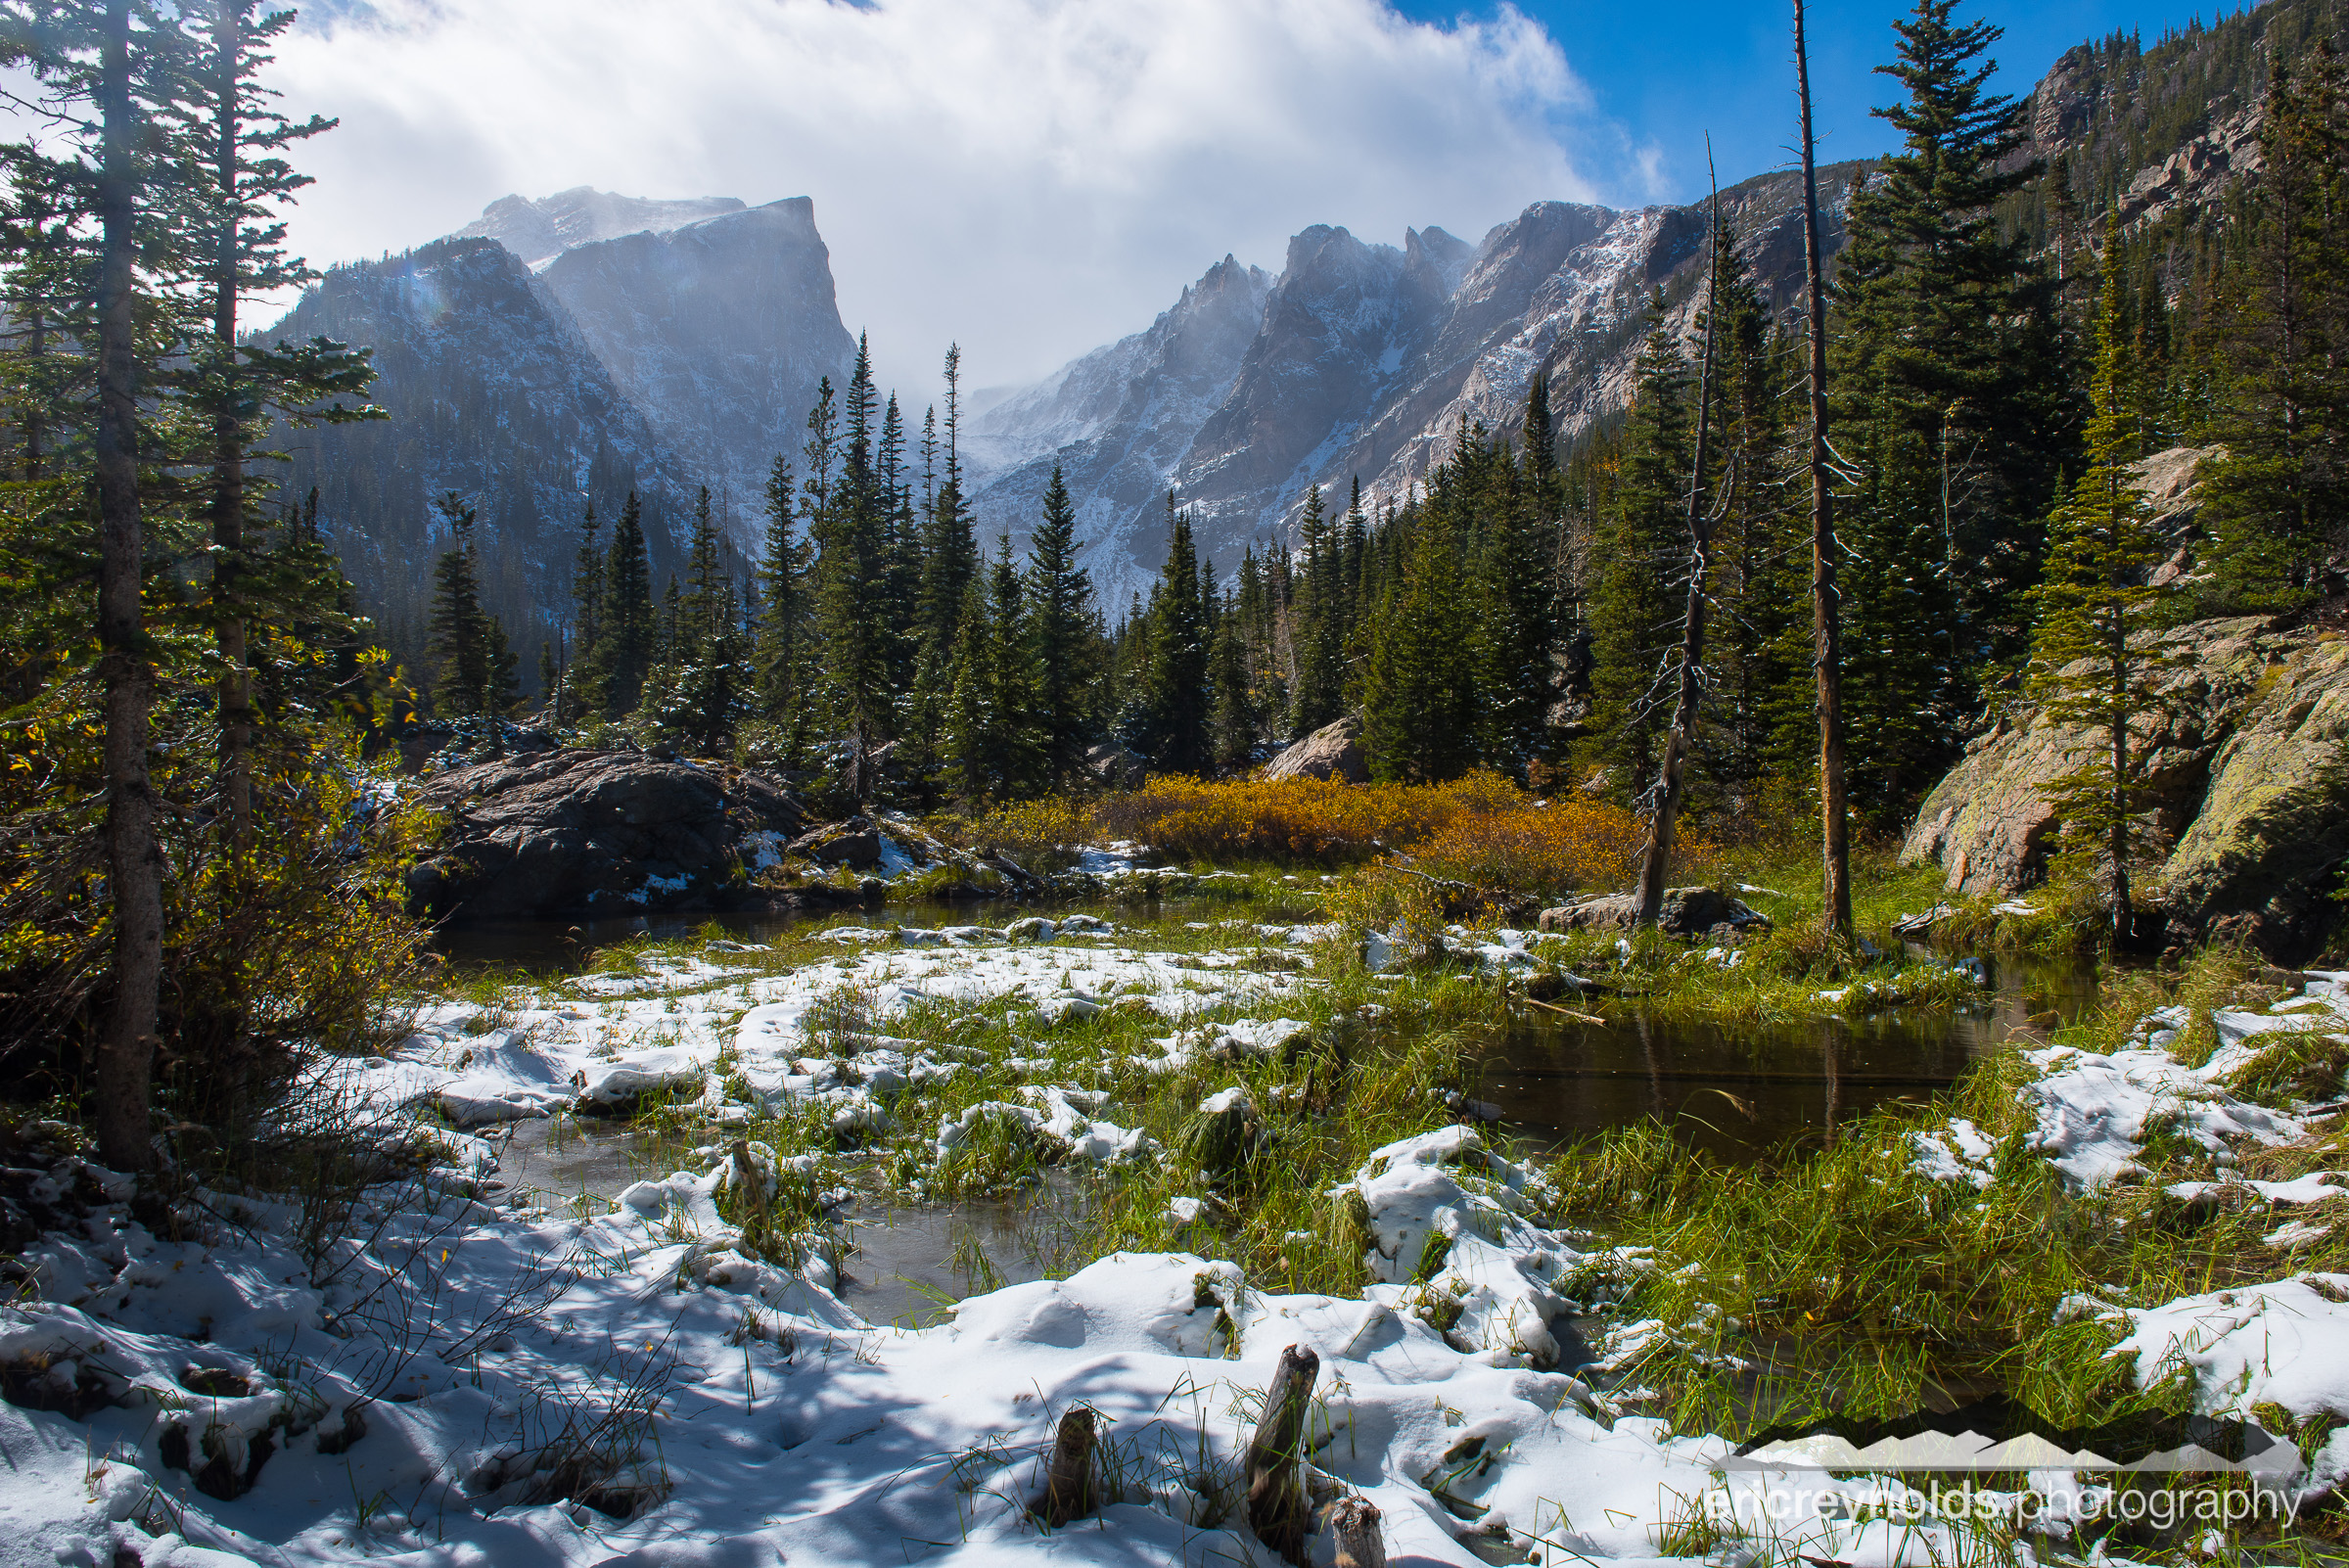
1444	1209
1224	1042
2094	1112
2285	1343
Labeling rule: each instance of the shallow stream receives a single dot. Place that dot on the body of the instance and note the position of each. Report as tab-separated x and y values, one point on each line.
1738	1092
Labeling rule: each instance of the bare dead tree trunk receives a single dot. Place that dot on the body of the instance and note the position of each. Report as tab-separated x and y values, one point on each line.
1827	604
228	446
134	863
1360	1543
1277	1509
1069	1492
1655	866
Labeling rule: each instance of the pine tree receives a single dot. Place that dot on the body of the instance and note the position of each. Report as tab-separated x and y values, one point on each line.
1419	691
967	744
1178	699
1516	592
1632	611
1017	738
1233	724
852	624
2279	502
1320	635
1950	399
235	382
711	689
782	655
1061	596
568	700
2096	662
471	667
624	644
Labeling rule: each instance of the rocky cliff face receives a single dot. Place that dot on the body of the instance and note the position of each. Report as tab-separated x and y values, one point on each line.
2248	765
558	350
494	392
1360	361
719	330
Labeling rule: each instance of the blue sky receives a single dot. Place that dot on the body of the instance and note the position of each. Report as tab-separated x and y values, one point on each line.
1669	70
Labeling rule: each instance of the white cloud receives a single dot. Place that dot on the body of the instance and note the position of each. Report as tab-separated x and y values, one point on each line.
1031	177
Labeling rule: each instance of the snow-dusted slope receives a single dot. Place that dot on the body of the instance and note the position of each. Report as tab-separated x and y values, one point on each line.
538	230
1364	362
1120	421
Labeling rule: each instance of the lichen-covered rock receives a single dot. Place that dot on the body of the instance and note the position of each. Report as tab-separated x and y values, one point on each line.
1334	751
2246	773
594	831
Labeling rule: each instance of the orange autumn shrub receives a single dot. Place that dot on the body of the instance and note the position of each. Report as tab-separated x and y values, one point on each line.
1571	844
1292	820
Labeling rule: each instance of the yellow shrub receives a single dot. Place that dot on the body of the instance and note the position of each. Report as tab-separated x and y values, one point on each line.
1315	822
1037	827
1569	843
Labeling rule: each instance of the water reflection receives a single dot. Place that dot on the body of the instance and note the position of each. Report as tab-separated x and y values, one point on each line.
1739	1091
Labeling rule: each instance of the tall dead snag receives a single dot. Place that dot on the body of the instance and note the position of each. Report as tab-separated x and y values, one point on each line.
1277	1508
1360	1545
127	666
1655	866
1069	1492
1827	604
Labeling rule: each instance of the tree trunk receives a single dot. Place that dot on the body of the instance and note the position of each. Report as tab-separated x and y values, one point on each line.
228	450
134	863
1655	866
1277	1509
1827	605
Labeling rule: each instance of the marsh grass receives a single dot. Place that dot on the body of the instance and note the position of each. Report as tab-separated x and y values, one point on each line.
1846	1281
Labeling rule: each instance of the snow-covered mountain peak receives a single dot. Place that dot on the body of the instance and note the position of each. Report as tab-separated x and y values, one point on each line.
538	230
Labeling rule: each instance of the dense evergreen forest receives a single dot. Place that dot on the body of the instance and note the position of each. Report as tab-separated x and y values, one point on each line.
1525	611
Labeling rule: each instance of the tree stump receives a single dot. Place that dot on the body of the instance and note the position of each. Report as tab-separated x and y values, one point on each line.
1361	1544
1277	1509
1069	1492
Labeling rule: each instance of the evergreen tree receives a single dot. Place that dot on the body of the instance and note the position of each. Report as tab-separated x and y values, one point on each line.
569	699
1632	611
1321	637
2279	502
853	624
967	744
624	644
1516	592
1950	397
1419	691
784	648
1177	697
1017	738
1234	723
1061	596
2096	662
711	685
471	667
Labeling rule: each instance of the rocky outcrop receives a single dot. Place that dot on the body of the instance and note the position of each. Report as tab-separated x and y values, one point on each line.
1334	751
1686	912
597	833
2248	775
